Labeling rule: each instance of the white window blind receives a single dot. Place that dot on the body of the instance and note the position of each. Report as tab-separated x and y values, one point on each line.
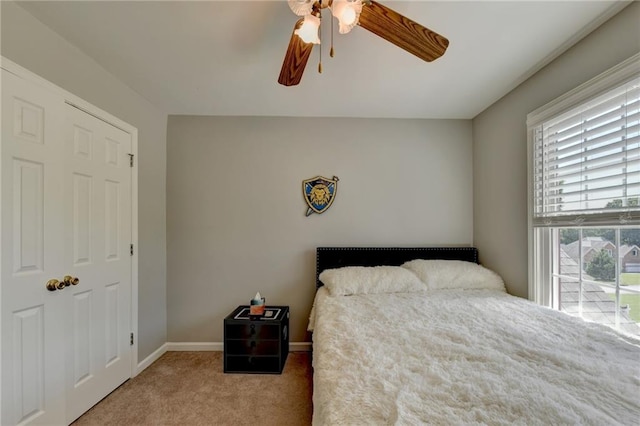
586	162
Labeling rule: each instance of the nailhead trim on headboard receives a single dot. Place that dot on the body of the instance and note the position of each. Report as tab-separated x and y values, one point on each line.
336	257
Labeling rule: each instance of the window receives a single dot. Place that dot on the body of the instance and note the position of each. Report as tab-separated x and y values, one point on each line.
584	200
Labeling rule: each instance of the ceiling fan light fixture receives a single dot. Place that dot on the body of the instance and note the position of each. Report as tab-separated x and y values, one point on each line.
347	12
372	16
308	32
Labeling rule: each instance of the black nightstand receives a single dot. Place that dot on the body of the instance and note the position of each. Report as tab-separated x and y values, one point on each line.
256	344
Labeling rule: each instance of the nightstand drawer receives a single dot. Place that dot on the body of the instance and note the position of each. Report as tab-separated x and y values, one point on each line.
254	330
252	347
252	364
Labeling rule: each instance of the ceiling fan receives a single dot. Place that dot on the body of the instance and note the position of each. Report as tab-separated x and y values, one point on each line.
370	15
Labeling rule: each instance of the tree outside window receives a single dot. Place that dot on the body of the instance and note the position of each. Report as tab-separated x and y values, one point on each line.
602	267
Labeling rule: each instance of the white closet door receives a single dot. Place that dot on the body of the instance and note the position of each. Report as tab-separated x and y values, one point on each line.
33	326
98	233
66	211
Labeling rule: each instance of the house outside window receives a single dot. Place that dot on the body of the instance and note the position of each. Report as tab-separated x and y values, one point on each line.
584	213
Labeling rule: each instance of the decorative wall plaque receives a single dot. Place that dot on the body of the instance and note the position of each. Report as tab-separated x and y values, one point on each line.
319	193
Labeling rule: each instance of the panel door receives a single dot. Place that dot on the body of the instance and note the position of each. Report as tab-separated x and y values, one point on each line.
97	184
33	333
66	211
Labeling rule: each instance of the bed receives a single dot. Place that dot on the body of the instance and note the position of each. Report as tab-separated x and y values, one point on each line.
458	349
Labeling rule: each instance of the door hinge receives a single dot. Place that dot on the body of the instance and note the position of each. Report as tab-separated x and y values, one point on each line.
131	249
131	340
130	160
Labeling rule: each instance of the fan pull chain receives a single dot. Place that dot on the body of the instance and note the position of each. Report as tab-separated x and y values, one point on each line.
320	50
331	51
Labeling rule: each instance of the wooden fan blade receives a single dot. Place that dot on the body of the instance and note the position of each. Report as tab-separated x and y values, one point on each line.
295	59
403	32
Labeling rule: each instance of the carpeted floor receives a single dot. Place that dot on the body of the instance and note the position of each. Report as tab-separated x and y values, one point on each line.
189	388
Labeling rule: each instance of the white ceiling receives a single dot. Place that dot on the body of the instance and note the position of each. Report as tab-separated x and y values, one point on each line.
224	58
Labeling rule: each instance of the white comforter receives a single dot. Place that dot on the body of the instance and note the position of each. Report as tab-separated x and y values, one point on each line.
467	357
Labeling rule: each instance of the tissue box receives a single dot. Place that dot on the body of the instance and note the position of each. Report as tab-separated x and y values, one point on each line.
257	310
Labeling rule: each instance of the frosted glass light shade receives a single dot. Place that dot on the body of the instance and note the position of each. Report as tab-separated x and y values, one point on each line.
301	7
308	32
347	12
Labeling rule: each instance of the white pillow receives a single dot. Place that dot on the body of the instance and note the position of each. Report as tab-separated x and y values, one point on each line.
443	274
374	279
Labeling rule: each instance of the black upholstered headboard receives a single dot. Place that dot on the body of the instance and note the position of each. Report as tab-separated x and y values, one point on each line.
337	257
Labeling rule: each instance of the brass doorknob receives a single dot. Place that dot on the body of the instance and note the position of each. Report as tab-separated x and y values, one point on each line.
52	285
69	280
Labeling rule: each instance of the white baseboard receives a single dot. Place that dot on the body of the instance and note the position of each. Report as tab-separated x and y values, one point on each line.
219	346
150	359
195	346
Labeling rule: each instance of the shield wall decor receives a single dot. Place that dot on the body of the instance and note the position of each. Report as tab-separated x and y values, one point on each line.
319	193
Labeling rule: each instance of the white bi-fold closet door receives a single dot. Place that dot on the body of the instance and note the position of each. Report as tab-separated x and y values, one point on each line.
66	227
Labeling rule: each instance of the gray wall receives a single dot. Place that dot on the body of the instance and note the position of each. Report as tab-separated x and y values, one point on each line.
500	144
28	42
235	210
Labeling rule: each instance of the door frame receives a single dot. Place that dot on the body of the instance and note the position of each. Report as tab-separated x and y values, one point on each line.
85	106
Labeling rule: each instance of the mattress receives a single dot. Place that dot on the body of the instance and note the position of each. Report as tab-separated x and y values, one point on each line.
466	357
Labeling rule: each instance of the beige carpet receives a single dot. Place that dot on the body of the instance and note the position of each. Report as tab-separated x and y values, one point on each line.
189	388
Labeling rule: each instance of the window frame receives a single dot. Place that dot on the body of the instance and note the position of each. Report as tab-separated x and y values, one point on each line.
540	239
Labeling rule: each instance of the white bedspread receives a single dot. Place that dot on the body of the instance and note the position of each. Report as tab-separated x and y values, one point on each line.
467	357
